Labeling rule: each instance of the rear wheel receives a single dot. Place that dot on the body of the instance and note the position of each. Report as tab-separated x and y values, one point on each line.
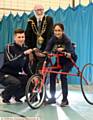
34	95
87	83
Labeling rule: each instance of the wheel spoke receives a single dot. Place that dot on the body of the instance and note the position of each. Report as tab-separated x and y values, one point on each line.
36	97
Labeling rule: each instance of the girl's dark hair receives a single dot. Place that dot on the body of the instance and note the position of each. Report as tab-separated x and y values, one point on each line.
60	25
19	31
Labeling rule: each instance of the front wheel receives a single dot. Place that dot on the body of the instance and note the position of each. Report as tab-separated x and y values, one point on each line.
34	93
86	82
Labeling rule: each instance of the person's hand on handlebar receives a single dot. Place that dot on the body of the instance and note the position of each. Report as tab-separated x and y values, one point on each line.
27	52
68	55
60	49
45	53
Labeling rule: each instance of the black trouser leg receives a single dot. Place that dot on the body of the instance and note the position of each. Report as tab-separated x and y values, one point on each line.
66	68
52	84
64	86
11	84
21	92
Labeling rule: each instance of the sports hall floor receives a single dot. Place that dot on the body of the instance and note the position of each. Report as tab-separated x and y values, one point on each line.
78	109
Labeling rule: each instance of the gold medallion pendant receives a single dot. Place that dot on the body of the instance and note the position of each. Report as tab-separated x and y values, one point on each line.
40	40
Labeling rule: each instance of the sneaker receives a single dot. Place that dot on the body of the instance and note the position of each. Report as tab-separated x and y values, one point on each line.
6	101
51	101
64	103
18	100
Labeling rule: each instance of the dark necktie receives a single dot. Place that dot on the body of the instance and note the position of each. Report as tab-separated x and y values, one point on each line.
39	25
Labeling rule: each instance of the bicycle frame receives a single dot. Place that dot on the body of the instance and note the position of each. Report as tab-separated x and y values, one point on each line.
39	79
50	70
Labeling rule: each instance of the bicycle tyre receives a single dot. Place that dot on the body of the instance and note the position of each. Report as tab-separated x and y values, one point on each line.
87	83
34	97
